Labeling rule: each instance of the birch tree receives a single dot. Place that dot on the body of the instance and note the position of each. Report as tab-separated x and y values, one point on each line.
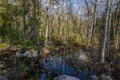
94	20
109	24
115	29
105	32
47	22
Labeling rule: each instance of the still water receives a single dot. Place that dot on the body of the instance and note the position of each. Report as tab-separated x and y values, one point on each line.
61	68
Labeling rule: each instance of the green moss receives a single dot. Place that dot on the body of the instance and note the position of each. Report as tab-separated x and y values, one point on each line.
3	45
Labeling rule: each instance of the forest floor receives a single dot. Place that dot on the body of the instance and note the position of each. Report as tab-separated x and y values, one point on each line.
27	68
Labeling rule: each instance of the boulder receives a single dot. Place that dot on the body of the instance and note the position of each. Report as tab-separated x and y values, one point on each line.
65	77
18	54
25	54
81	55
93	77
35	53
2	64
105	77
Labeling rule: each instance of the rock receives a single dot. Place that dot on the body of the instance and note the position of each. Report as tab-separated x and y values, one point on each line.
65	77
81	55
93	77
2	64
27	54
12	56
35	54
18	54
14	49
4	71
105	77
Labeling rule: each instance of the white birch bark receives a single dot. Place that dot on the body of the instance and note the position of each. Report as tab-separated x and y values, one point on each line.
105	32
47	22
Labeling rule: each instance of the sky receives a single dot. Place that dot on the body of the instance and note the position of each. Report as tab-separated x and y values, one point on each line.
79	6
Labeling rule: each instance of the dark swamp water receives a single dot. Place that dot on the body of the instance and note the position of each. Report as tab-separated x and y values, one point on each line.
61	68
55	66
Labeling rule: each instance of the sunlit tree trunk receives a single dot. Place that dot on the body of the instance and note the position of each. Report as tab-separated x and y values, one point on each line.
47	23
105	32
94	21
109	24
88	23
117	40
117	30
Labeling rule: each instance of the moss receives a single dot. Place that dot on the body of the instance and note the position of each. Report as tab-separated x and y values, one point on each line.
3	45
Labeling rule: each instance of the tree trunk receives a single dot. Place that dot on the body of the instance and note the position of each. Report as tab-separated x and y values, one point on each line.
36	29
117	40
109	24
117	30
24	20
47	23
94	21
105	32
